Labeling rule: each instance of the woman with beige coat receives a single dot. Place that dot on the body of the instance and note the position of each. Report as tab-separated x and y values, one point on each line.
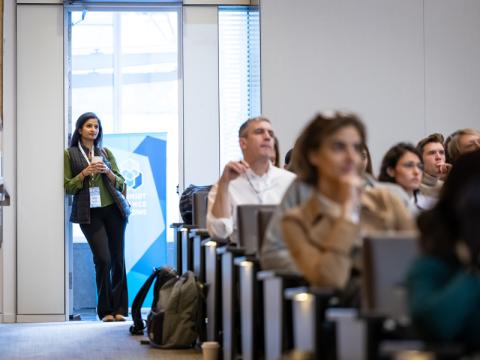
325	233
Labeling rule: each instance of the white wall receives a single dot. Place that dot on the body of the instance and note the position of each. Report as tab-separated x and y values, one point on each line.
40	141
404	66
452	64
8	250
200	90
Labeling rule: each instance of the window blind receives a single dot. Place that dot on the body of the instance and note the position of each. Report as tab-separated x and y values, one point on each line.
239	75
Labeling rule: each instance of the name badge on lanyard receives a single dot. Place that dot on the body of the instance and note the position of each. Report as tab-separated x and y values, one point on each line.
95	200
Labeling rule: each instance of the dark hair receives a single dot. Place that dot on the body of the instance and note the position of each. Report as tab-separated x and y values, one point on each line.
242	132
390	159
79	124
369	169
288	156
432	138
312	137
456	214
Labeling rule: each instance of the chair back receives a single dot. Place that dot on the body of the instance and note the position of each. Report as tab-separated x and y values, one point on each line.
248	226
386	260
200	204
264	217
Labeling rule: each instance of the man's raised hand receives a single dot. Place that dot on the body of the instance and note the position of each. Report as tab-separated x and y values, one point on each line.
233	169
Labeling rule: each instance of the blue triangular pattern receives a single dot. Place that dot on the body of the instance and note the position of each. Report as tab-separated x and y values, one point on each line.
155	150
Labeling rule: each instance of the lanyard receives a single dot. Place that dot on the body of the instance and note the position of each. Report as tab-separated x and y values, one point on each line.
258	193
88	162
85	155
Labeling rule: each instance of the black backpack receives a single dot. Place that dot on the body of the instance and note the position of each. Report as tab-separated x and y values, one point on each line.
186	201
174	318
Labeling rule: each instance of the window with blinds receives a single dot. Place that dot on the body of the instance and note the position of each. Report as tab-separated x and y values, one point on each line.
239	75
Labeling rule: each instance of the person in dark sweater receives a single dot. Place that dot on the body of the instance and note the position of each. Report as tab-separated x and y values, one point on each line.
91	175
444	282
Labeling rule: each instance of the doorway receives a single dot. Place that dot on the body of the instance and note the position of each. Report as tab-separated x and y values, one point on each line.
123	64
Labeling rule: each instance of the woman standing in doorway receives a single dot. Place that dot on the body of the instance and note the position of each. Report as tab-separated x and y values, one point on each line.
91	175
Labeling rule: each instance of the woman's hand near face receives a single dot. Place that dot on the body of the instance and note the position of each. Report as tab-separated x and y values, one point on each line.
349	191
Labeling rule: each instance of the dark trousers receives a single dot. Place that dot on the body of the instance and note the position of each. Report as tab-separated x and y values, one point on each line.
106	236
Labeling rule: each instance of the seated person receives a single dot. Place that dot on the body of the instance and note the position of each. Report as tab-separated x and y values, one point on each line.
274	253
444	282
371	181
275	155
461	142
366	163
435	169
402	165
253	180
324	233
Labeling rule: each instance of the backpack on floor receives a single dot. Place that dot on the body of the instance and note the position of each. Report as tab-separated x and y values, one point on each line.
174	318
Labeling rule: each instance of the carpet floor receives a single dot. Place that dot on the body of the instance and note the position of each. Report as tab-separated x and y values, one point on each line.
89	340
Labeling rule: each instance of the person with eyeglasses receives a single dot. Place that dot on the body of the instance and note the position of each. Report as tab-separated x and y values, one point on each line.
252	180
402	164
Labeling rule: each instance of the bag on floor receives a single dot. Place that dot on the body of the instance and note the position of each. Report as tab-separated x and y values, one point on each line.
186	201
174	318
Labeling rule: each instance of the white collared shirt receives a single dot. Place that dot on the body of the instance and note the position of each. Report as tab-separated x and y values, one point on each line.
248	188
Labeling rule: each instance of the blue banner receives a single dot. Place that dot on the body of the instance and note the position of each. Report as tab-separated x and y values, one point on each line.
141	159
